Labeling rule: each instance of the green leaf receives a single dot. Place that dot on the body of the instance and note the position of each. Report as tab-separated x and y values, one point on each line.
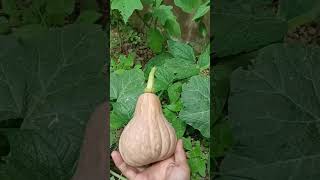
181	50
53	82
175	107
173	28
243	26
201	11
157	60
174	92
117	121
88	16
188	6
197	165
155	40
126	7
204	58
164	13
163	79
158	2
174	69
196	151
187	143
125	89
196	101
181	69
274	113
126	62
177	124
197	160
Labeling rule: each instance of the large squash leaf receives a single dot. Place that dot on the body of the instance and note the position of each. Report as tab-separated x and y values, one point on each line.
51	81
242	26
195	97
275	115
125	89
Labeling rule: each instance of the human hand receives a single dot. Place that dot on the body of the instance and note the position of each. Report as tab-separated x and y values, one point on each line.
174	168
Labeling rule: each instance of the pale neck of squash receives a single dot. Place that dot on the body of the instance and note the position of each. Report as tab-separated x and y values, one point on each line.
150	83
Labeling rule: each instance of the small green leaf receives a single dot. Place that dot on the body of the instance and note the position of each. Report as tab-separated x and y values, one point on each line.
197	165
126	7
175	107
196	150
187	143
155	40
126	62
201	11
181	50
164	13
204	58
173	28
174	92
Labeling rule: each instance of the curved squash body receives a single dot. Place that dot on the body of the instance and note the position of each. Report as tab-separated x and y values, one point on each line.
148	137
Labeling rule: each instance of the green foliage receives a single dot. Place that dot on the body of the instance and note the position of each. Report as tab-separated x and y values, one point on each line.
279	113
265	92
155	40
123	63
181	51
47	95
126	7
125	87
201	11
177	75
237	29
196	101
47	13
197	158
160	21
177	64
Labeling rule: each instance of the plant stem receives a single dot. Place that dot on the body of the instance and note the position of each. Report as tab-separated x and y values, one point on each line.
150	88
117	175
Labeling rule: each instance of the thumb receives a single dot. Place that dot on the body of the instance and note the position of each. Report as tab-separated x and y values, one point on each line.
180	155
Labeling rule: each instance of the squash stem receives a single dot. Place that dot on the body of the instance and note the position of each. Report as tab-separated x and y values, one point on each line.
150	88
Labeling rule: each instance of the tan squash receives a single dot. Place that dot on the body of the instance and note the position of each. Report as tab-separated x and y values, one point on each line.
148	137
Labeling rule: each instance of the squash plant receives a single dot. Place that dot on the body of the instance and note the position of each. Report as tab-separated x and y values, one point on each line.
181	79
159	19
265	90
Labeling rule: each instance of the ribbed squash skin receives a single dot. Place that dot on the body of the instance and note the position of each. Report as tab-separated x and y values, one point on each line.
148	137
